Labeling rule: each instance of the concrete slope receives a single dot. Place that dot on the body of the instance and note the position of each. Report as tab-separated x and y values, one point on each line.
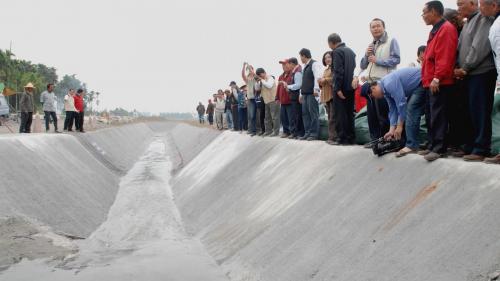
271	210
55	180
119	147
185	141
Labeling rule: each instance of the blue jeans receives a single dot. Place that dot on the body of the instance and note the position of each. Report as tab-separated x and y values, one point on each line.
310	115
252	116
415	108
229	119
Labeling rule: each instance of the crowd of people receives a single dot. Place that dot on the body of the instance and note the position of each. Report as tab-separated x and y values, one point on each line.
452	84
74	107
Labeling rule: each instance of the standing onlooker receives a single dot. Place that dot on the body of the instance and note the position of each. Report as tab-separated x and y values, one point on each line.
234	105
228	109
80	110
48	100
69	108
493	10
27	108
310	94
261	111
344	63
454	18
326	85
252	105
287	118
267	85
477	69
381	58
242	109
420	57
201	113
437	75
210	112
220	107
297	124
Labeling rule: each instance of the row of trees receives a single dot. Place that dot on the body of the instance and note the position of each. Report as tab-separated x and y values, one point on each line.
16	73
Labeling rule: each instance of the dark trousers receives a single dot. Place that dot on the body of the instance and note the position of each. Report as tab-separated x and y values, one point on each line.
79	120
458	121
26	120
330	110
344	117
236	121
481	89
261	117
439	118
69	120
48	115
287	119
242	118
211	118
310	115
297	117
378	117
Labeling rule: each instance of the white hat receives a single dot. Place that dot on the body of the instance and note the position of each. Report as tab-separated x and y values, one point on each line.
29	85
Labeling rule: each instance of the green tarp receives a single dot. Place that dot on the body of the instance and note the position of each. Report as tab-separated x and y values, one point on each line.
495	141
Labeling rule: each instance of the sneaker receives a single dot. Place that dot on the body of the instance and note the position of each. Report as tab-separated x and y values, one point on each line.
266	134
424	152
405	151
285	136
474	158
458	153
305	137
432	156
330	142
493	160
57	132
292	137
252	134
274	135
312	139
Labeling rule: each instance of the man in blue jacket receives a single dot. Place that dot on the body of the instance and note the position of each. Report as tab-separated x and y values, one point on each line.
397	88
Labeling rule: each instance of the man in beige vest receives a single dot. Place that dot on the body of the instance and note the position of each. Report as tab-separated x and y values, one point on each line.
381	58
267	85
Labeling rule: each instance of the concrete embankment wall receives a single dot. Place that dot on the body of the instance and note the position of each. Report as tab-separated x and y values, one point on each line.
271	209
69	182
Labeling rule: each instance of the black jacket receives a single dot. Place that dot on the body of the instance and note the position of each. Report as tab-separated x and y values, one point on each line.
344	64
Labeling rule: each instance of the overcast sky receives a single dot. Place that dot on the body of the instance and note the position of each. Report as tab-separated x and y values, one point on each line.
166	56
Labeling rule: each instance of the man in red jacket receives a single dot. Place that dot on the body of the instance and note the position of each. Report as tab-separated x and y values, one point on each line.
284	99
437	75
80	108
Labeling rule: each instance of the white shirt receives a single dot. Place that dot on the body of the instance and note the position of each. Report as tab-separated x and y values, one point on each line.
269	83
495	44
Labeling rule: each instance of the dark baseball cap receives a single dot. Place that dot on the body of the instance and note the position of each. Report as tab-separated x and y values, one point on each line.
293	60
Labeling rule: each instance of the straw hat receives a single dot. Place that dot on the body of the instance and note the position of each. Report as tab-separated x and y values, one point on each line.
29	86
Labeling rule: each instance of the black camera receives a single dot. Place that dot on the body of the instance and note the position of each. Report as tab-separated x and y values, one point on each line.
381	146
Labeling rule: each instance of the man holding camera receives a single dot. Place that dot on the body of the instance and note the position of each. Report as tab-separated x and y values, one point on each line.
268	88
396	88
